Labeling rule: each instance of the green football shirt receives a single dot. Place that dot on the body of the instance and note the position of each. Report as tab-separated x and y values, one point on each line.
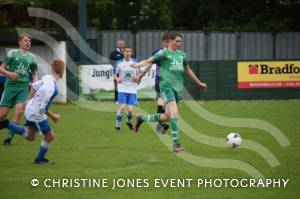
172	64
22	64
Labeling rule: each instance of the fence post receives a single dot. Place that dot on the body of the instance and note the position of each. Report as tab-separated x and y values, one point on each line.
82	4
100	44
134	33
274	35
206	35
238	45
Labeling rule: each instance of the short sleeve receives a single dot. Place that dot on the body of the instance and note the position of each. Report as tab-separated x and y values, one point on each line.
45	91
37	85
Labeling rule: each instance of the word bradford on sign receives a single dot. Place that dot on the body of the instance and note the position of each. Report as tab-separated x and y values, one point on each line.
268	74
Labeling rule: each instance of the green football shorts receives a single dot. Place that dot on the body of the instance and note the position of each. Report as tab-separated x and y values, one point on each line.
13	97
169	94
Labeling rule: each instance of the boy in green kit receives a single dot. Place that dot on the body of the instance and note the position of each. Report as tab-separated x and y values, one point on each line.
172	70
17	65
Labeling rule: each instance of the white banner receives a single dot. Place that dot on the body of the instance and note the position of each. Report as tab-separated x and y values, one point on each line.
100	77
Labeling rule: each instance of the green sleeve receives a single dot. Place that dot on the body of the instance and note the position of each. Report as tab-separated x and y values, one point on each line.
158	56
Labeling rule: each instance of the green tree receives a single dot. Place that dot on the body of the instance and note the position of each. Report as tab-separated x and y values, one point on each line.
230	15
155	14
100	13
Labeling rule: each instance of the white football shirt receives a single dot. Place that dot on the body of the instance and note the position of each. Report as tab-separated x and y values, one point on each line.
126	73
46	90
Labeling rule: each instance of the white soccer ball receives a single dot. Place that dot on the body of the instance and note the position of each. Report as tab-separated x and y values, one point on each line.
233	140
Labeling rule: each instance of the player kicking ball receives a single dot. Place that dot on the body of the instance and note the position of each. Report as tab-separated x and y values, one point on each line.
127	79
173	66
36	111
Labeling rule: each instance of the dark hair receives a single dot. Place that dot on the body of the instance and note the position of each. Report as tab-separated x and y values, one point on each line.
172	35
128	47
165	36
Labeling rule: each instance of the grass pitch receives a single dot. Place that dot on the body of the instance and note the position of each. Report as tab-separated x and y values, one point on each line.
86	146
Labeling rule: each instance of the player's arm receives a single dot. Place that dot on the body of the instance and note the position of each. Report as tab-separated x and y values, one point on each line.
7	73
146	70
192	75
156	57
44	106
139	76
53	116
31	93
34	87
35	76
144	62
118	79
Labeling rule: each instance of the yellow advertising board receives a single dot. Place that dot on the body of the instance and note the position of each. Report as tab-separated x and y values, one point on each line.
268	74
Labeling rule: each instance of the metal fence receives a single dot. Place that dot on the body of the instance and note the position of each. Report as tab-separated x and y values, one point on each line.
204	45
216	51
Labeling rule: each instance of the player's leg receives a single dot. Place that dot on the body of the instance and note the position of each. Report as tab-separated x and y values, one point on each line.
4	110
1	88
28	132
116	91
160	101
20	98
131	101
161	127
129	117
122	105
119	116
19	110
157	117
172	106
31	133
45	143
160	105
174	114
160	108
7	102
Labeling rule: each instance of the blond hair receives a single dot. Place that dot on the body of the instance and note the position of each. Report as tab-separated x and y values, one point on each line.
21	36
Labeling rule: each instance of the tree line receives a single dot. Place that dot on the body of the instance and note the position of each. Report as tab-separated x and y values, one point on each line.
204	15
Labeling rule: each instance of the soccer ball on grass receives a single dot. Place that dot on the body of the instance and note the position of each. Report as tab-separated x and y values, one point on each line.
233	140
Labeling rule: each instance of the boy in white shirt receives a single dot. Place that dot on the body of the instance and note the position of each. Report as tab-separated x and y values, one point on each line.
127	79
36	111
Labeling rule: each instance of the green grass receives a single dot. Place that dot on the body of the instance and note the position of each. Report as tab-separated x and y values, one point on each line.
86	146
109	95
